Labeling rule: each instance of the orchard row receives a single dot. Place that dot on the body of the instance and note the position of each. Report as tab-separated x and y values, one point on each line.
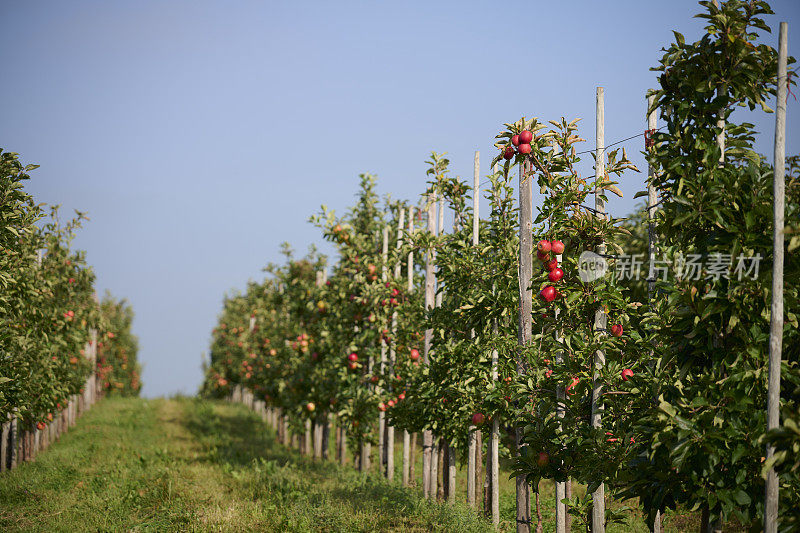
653	392
56	339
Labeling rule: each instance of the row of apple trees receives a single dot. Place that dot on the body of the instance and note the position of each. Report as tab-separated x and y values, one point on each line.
47	308
676	373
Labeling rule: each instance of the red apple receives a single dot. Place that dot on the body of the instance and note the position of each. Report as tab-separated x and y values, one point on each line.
525	137
391	403
548	294
543	245
627	373
381	406
542	459
478	419
353	365
395	292
401	396
352	357
524	148
557	246
310	406
508	153
515	140
616	330
543	256
555	275
414	354
550	265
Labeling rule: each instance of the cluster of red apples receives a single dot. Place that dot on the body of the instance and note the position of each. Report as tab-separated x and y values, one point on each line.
555	274
522	144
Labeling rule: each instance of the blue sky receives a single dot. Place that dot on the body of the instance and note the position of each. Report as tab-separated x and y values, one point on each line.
200	135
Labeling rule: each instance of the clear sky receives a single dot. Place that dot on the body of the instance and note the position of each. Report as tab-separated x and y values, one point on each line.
199	135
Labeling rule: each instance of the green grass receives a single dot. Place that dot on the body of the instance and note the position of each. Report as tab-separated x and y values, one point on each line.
194	465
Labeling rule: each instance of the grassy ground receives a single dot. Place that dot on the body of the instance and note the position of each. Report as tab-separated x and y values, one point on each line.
193	465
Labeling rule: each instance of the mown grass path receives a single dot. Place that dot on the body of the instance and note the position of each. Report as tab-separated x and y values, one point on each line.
193	465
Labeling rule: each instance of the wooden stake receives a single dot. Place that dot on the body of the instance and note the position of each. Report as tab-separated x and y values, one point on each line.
652	202
392	354
407	441
381	414
4	446
525	331
600	319
307	439
430	301
343	446
492	487
437	467
451	473
472	457
776	317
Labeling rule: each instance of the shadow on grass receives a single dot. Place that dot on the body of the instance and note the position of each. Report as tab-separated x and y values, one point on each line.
235	438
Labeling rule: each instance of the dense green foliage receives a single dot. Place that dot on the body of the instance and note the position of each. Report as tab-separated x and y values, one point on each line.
47	304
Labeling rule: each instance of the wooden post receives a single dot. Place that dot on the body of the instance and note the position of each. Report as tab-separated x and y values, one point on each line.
363	457
561	486
307	439
473	457
407	442
326	432
600	319
342	446
558	356
525	330
392	354
492	484
437	488
13	443
652	202
430	301
437	468
4	445
478	476
412	463
383	345
776	317
451	473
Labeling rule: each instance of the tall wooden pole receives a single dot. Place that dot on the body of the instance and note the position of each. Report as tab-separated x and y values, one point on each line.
776	317
410	287
600	319
430	301
437	442
492	487
392	354
472	460
384	346
652	201
558	357
525	326
450	470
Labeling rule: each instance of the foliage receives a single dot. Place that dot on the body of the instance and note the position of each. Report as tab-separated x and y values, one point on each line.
47	304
